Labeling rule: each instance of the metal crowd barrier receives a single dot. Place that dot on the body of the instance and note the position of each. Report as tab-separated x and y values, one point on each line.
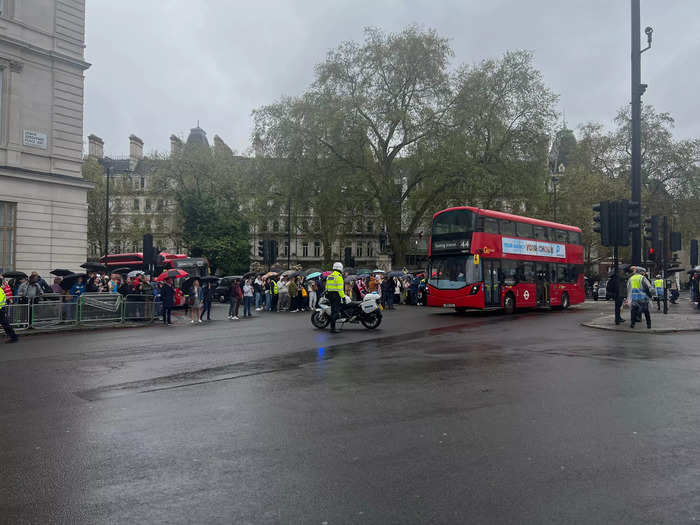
56	310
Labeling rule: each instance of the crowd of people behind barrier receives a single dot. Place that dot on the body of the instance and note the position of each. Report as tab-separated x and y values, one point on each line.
271	293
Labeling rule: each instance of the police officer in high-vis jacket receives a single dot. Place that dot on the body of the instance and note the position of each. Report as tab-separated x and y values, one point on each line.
4	321
659	287
638	293
335	291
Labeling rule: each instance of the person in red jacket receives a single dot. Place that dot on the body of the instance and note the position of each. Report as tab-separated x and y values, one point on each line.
6	288
236	297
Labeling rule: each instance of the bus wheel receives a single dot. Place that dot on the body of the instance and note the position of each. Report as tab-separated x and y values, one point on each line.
509	304
565	301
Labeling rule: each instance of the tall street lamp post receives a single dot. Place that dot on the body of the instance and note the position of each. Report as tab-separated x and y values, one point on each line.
109	176
637	91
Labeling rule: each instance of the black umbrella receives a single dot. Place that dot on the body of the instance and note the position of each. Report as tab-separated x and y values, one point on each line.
61	272
94	266
209	279
15	275
121	270
71	279
396	274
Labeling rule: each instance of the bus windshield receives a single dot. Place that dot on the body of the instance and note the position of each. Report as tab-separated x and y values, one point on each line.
454	221
451	272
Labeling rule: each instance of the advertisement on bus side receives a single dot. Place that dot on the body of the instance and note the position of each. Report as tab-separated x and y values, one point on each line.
534	248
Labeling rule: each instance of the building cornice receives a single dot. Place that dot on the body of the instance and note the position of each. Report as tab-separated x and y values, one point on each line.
40	176
46	53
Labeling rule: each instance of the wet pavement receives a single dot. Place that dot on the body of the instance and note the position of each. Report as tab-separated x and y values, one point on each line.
436	417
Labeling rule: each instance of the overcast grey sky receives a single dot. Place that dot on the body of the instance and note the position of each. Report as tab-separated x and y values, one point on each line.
158	66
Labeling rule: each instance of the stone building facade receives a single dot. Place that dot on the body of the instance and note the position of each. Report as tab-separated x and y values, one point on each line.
43	210
138	205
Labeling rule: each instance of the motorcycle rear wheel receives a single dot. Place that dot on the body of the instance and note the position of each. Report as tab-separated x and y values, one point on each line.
371	321
320	320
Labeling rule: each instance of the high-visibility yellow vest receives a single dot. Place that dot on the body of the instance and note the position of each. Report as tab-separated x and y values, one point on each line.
334	283
637	291
3	298
659	285
275	289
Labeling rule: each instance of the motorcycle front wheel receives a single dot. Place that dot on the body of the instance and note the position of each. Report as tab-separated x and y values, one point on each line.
371	321
320	320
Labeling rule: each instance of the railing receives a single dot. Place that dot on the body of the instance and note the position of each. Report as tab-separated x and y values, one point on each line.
55	310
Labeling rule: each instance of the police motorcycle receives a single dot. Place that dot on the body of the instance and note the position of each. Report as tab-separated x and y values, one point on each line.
366	312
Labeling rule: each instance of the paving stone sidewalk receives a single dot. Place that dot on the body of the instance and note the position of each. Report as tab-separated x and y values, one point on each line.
682	317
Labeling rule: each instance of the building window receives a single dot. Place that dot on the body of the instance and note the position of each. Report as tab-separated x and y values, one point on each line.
370	226
159	205
8	225
305	249
276	226
370	249
148	204
136	204
286	249
358	249
143	183
317	248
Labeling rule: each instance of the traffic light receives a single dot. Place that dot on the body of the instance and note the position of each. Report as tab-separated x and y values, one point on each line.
651	232
651	256
693	252
261	248
272	251
632	217
676	244
603	220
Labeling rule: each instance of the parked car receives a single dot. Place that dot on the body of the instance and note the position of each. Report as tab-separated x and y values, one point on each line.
600	291
223	290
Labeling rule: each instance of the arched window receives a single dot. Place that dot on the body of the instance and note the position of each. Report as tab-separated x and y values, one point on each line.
370	249
370	227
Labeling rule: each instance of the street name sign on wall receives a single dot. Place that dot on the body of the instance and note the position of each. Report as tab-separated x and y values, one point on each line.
34	139
534	248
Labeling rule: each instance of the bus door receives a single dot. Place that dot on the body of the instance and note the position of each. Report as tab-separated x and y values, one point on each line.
492	285
542	282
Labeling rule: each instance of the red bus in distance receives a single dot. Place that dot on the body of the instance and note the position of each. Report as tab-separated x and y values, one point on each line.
489	259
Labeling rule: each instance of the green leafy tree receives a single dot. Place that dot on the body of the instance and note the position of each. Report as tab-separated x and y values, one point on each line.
202	180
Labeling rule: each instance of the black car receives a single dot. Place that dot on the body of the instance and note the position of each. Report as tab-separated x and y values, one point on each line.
223	291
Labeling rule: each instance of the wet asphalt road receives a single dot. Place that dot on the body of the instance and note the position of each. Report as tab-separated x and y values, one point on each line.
433	418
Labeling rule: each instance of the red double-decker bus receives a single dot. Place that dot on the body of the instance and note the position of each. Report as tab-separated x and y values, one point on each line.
490	259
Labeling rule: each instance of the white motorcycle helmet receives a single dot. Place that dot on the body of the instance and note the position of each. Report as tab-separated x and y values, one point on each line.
338	266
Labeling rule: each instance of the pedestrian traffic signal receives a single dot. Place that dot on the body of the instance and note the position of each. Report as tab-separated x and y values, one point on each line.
603	222
652	255
261	249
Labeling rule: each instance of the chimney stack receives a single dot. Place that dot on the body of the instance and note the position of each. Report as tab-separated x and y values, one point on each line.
135	150
96	146
175	144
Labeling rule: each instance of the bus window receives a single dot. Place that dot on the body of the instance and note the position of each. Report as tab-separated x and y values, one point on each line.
560	236
510	271
507	228
525	230
490	225
561	273
528	272
540	233
575	237
454	221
